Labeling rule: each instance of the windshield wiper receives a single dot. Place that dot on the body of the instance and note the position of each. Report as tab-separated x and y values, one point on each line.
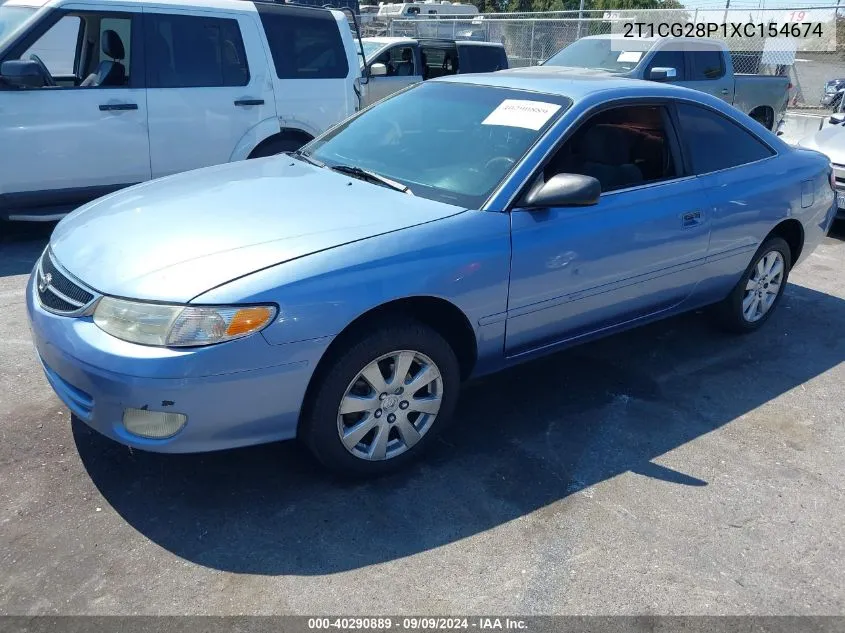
366	174
301	156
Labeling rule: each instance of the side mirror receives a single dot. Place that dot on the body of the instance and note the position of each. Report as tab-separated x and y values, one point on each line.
22	73
661	73
564	190
837	119
378	70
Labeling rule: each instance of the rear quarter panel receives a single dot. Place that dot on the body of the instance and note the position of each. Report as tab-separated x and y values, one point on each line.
753	91
749	202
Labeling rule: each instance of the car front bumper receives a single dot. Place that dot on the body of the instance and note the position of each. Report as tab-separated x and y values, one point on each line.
98	376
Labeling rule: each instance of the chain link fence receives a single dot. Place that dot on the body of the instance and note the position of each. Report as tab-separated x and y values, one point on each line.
530	38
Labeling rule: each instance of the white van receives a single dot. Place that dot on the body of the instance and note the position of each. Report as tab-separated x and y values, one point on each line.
96	95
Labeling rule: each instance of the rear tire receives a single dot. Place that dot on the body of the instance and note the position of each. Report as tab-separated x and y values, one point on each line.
758	292
361	418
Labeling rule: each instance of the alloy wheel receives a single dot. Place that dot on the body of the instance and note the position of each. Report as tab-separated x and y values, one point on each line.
763	286
389	405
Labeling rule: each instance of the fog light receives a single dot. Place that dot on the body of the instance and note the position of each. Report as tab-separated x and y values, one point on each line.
153	424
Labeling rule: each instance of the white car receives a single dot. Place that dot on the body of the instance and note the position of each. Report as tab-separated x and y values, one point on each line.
830	140
96	96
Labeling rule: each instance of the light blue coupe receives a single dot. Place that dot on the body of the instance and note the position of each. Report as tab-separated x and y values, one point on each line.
342	293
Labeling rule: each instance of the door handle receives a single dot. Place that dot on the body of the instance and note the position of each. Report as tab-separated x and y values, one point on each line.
249	102
109	107
691	218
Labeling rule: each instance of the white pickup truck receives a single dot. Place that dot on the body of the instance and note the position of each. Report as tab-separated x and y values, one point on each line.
97	95
698	63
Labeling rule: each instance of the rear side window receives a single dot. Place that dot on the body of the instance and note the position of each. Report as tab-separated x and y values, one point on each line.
482	59
305	44
708	134
669	59
438	62
706	64
186	51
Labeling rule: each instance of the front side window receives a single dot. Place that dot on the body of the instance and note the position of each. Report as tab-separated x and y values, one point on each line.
305	44
621	148
123	28
399	61
453	143
668	59
84	50
57	47
187	51
715	142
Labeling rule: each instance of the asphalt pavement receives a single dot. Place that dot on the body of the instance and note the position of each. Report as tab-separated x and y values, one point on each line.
671	469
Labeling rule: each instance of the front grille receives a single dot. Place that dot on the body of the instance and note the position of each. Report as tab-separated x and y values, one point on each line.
57	292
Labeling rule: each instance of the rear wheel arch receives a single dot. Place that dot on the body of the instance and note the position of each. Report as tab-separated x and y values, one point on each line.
792	231
765	115
287	139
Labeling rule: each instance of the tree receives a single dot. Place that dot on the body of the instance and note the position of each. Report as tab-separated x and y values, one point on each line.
609	5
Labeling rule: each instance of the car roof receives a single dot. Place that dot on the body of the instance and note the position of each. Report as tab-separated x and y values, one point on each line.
228	5
388	40
562	82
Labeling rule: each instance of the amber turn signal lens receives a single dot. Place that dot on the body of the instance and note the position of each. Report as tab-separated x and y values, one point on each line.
248	319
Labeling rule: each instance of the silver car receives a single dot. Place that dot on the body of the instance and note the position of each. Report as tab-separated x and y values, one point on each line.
830	140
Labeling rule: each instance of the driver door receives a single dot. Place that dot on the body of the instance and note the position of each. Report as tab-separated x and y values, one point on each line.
71	143
403	69
640	251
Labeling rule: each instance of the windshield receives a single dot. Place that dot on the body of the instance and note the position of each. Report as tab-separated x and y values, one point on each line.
597	54
370	48
449	142
11	18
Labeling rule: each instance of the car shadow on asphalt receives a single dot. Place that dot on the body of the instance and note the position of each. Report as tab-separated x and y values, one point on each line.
21	243
524	439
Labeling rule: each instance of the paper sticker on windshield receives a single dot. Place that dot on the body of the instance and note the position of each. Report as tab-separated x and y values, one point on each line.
522	113
630	56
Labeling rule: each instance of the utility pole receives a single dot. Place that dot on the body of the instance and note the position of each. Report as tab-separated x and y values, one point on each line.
727	6
581	17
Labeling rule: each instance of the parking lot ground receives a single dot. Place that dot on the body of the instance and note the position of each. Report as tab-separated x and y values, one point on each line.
671	469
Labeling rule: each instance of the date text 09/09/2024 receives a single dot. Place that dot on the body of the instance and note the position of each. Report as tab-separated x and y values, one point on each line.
428	623
746	30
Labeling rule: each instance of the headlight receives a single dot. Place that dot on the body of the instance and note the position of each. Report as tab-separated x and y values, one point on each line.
179	325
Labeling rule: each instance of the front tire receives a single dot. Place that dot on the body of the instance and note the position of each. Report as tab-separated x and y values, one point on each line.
382	400
758	292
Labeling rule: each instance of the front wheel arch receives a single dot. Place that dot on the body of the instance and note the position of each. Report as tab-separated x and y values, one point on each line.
439	314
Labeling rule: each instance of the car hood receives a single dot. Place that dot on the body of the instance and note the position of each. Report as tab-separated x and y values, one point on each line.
829	141
175	238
